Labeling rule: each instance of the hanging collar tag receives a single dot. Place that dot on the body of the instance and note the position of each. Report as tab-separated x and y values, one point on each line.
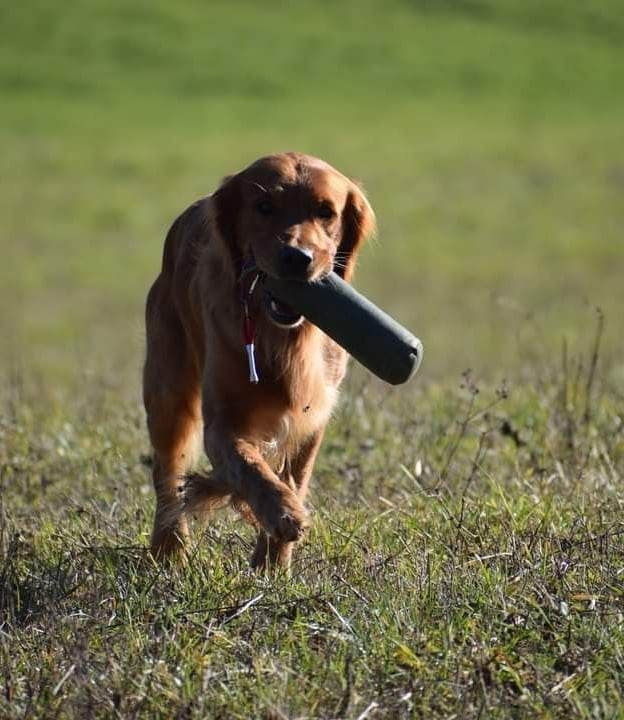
249	327
249	332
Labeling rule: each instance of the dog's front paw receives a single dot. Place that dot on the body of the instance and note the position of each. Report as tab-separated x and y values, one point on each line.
290	528
288	520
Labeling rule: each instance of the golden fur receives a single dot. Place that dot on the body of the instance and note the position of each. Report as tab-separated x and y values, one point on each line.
262	439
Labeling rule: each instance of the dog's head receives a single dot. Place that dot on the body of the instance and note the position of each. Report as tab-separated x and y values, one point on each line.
297	217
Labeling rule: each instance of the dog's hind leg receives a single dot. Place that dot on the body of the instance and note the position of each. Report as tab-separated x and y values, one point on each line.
171	394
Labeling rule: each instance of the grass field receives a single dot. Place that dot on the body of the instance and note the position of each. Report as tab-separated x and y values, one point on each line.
467	553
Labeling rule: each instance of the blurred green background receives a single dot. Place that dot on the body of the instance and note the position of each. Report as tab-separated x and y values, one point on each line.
489	136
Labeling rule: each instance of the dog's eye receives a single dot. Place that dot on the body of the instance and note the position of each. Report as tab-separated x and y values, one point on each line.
325	211
265	207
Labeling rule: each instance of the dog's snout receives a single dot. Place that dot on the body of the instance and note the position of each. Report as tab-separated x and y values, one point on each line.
294	261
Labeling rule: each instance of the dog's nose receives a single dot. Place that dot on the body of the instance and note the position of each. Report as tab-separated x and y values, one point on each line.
294	261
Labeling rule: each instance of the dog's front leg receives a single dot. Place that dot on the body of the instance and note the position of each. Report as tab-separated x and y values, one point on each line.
269	552
276	506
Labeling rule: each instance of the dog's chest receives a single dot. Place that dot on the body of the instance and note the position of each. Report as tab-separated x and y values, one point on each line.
290	429
297	404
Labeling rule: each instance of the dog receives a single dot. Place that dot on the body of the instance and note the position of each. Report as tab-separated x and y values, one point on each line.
287	215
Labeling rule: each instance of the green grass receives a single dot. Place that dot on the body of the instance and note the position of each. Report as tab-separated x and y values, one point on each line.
464	572
466	553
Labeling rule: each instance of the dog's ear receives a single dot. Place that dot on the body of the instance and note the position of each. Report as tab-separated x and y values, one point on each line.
358	224
227	203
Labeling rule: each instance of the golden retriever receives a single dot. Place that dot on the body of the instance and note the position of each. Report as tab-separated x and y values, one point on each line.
286	215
